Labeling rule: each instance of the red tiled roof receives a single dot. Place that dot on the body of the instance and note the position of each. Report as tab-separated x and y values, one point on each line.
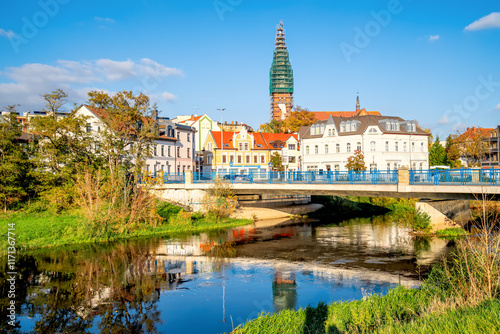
227	138
270	137
473	132
262	139
323	115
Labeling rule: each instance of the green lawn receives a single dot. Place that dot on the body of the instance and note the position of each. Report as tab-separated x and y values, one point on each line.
39	230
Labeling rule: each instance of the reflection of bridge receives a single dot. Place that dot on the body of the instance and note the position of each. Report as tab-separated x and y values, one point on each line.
448	184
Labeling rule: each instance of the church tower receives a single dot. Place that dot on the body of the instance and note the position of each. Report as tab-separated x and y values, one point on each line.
281	79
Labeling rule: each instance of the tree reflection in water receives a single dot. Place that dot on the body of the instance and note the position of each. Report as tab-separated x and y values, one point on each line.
117	290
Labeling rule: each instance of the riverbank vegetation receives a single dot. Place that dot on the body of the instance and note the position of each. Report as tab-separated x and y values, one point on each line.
461	295
78	182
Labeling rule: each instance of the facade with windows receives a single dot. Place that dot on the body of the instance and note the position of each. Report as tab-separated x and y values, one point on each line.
243	151
202	124
172	151
387	143
491	157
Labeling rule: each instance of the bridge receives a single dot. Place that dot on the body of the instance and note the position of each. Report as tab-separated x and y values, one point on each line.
466	184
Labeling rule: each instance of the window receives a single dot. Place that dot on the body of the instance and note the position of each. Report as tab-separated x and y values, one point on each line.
275	145
231	158
178	135
284	160
329	132
169	151
396	146
372	146
326	149
246	146
422	148
358	146
307	149
413	147
281	145
404	146
154	151
255	159
337	148
88	128
420	166
348	147
247	159
240	146
209	146
372	130
291	146
239	159
224	158
162	150
262	159
178	152
188	137
388	166
291	160
188	153
342	127
387	146
316	150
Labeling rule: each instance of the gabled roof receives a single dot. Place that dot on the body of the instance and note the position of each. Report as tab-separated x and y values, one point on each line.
472	133
365	121
262	141
322	115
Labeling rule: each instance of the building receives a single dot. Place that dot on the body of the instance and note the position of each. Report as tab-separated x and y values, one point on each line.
387	143
172	150
474	146
244	151
324	115
202	124
234	126
491	158
281	78
28	116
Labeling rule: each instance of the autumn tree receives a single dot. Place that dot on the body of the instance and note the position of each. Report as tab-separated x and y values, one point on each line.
452	151
437	154
473	146
356	162
273	126
298	118
277	162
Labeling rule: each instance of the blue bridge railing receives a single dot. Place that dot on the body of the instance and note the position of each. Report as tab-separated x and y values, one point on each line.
303	177
456	177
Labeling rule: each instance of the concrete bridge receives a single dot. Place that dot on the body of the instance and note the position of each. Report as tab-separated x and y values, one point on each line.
446	194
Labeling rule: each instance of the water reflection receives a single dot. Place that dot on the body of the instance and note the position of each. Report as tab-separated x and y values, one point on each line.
219	279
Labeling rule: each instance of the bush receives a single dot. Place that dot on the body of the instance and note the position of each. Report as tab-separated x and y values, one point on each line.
166	210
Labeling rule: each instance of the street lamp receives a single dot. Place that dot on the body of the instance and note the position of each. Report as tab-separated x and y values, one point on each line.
221	141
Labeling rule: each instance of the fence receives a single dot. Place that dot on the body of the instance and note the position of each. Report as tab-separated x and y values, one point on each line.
456	177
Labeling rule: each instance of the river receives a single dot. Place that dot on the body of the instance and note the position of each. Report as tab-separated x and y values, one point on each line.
211	283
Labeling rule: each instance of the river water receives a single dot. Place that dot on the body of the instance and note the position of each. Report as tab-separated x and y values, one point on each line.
211	283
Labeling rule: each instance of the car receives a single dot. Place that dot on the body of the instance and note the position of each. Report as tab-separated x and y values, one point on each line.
236	177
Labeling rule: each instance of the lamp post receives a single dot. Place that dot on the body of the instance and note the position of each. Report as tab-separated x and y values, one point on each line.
221	141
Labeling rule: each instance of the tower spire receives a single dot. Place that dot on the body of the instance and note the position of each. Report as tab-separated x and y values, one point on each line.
281	78
357	103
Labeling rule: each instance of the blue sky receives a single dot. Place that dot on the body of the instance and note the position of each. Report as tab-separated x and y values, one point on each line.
433	61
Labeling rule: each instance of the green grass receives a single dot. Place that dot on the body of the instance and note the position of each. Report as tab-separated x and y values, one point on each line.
40	230
400	311
452	232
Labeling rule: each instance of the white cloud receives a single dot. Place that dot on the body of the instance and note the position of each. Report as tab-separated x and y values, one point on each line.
168	96
497	107
7	33
433	38
443	120
486	22
104	19
24	85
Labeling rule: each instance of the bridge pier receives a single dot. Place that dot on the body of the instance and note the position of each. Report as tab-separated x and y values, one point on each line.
445	213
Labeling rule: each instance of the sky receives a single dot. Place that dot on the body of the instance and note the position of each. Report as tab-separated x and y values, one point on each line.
436	62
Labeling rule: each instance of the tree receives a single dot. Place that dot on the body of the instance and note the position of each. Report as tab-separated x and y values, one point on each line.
14	162
452	152
356	162
299	117
437	154
277	162
273	126
473	146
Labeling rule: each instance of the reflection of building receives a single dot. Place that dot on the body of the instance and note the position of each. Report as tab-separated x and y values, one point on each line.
284	290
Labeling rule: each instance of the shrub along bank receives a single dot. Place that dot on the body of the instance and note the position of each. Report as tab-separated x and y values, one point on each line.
47	229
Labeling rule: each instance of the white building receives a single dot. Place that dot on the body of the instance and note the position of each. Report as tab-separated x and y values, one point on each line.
172	150
386	142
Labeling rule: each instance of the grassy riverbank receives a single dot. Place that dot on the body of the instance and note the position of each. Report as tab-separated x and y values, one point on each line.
47	229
